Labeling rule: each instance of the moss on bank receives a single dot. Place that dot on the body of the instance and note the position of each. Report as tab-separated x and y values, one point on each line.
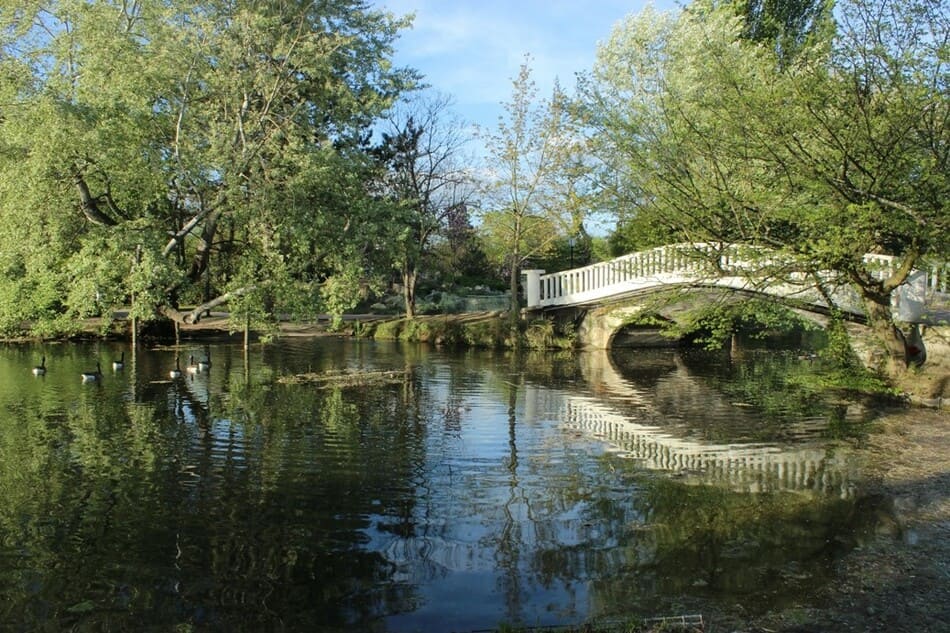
485	330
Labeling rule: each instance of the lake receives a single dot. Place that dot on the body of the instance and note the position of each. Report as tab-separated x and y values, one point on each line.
448	491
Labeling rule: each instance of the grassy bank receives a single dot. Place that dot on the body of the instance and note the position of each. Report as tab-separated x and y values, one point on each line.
490	330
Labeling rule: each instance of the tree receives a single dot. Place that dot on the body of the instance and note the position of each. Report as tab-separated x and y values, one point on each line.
457	253
426	178
194	153
525	158
837	152
787	25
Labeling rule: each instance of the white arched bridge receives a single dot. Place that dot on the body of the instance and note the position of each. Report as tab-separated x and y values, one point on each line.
739	267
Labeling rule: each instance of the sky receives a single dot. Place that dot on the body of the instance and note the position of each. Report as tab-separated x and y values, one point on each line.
472	49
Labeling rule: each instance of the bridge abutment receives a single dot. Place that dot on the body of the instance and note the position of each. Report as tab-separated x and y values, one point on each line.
598	327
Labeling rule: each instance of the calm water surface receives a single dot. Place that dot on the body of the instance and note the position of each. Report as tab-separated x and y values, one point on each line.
468	490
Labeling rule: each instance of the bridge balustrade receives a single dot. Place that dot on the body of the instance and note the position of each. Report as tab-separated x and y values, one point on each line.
737	266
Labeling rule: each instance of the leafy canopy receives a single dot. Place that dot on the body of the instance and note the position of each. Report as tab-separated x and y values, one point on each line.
187	152
823	151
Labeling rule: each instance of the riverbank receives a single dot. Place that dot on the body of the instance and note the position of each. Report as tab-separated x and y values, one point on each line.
899	579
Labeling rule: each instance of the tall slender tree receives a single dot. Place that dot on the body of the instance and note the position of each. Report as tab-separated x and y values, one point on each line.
427	178
526	156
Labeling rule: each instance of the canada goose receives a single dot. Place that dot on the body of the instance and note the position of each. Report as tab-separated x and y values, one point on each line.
90	376
191	368
176	373
119	364
205	365
40	369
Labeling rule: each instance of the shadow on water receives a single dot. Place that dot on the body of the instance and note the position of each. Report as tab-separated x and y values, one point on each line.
479	488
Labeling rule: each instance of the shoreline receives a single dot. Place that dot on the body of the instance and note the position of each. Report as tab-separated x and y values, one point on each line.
898	580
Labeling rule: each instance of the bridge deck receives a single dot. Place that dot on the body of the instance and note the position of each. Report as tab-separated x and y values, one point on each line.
920	299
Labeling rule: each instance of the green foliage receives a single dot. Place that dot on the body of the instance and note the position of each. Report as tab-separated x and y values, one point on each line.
229	163
838	350
488	333
491	332
713	325
388	330
818	138
543	334
341	291
437	330
848	379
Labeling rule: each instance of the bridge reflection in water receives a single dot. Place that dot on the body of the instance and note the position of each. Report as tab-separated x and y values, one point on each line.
755	467
802	461
562	539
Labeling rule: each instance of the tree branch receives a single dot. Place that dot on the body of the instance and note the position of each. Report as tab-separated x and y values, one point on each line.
90	204
194	316
185	230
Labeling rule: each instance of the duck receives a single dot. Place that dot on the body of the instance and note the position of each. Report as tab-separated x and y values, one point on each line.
119	364
91	376
191	368
175	373
205	365
40	369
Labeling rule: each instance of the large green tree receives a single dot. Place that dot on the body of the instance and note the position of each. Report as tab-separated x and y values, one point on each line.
825	155
187	153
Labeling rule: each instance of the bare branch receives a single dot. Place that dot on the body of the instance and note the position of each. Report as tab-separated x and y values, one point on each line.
194	316
185	230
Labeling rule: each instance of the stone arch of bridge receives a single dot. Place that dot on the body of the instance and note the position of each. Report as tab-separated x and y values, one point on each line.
598	326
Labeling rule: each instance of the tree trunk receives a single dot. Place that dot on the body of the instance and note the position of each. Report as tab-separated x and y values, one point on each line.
88	203
514	306
409	290
203	251
889	337
193	316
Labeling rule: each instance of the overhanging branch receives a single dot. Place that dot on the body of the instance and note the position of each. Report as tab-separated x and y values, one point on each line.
194	315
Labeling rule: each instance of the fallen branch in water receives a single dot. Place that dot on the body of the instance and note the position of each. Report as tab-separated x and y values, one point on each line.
337	377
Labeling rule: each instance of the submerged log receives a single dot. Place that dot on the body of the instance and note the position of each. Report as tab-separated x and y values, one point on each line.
346	377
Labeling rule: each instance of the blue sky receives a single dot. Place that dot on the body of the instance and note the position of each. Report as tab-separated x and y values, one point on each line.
472	49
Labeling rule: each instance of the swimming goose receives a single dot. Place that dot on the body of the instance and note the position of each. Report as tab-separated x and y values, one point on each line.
40	369
191	368
119	364
205	365
176	373
90	376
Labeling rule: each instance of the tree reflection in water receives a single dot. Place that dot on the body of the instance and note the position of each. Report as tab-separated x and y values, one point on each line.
458	498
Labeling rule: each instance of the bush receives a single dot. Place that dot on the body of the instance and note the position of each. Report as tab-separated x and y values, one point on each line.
544	334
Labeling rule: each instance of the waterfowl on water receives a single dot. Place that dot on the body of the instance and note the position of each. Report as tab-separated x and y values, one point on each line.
205	365
40	369
191	368
176	373
90	376
119	364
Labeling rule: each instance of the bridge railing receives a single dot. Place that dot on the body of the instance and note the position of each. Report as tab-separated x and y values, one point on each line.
733	265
